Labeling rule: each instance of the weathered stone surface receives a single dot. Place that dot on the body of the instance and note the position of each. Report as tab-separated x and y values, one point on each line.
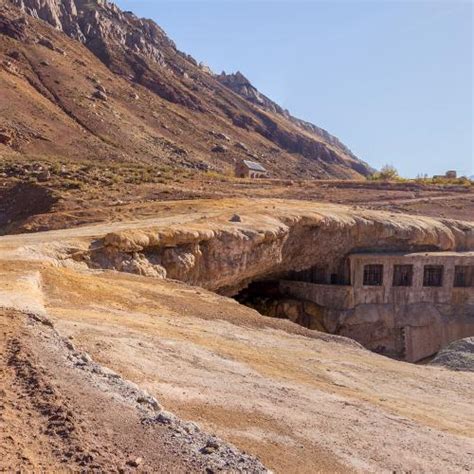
226	256
47	43
101	88
241	146
15	28
459	355
219	148
100	95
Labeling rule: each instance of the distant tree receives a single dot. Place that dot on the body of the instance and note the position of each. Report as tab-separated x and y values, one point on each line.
386	173
389	172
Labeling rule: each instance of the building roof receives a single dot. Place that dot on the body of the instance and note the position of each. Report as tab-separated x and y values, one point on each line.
449	253
254	166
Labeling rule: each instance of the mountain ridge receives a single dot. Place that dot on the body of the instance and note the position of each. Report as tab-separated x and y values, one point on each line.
241	85
139	52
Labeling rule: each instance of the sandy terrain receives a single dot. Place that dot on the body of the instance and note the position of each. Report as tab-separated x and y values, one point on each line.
300	400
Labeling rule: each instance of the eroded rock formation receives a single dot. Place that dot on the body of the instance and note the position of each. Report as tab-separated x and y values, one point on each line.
226	256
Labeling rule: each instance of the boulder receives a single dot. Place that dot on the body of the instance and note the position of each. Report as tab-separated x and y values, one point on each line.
242	146
459	355
44	176
219	149
101	88
220	136
100	95
47	43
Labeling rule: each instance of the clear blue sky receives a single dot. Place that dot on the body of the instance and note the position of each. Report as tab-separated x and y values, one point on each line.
392	79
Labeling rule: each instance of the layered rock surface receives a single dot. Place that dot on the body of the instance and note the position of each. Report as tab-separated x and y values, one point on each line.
274	238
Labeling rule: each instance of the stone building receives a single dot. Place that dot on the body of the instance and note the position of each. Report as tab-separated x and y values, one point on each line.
406	306
250	169
450	174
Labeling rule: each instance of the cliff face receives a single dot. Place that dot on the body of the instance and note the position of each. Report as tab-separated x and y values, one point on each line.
137	53
100	20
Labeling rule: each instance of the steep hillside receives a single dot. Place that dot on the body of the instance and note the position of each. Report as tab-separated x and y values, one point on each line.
93	82
242	86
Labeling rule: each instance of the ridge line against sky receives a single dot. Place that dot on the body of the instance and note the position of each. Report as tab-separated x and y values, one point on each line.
393	80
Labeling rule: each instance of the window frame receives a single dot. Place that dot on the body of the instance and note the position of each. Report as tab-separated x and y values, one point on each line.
468	276
428	279
369	271
408	275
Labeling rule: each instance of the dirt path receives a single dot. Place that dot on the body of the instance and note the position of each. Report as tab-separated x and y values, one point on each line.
57	415
22	447
444	197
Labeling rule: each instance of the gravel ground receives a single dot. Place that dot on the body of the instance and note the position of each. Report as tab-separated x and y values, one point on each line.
61	410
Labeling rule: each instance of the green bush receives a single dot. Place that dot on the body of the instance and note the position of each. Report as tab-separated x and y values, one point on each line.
386	173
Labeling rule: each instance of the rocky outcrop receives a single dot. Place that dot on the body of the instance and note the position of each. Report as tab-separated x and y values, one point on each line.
14	28
457	356
99	24
128	45
242	86
253	257
226	256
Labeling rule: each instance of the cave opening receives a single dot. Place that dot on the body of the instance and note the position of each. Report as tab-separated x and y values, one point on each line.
273	296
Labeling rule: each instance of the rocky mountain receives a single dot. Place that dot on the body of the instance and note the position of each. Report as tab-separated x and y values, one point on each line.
242	86
82	79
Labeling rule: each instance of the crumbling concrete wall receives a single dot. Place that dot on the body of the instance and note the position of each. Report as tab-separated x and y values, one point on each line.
408	330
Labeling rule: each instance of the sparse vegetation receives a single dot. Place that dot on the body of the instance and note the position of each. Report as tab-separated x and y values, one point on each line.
386	173
442	181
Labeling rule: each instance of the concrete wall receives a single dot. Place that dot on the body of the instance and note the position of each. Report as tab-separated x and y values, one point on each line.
417	292
409	323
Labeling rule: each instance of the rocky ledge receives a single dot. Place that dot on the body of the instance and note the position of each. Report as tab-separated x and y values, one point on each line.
274	238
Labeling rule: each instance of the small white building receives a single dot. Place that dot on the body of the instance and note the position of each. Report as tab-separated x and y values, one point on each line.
250	169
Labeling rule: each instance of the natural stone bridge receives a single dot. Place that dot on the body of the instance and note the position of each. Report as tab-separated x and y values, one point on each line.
409	319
